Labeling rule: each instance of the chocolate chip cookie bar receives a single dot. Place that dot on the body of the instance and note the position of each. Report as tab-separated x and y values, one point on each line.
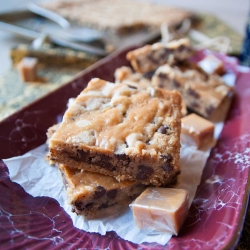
126	75
203	93
91	193
150	57
122	131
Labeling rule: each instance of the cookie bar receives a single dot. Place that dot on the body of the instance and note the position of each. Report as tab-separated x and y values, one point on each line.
197	131
91	193
150	57
126	75
202	93
121	131
120	16
161	209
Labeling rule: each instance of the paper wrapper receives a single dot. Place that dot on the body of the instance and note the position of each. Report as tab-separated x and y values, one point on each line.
34	174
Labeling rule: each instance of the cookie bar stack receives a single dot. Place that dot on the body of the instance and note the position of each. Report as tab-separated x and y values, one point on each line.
202	92
114	141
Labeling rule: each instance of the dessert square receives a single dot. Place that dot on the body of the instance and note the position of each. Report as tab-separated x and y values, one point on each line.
197	131
118	16
122	131
92	193
161	209
126	75
203	93
150	57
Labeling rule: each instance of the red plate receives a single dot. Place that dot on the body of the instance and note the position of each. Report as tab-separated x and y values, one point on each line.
217	213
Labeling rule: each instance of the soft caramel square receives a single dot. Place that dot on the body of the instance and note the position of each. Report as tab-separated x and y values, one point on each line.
27	69
196	131
212	65
161	209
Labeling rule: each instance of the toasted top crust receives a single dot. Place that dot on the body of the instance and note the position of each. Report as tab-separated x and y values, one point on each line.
119	118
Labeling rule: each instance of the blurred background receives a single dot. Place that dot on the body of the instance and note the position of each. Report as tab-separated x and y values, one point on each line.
233	13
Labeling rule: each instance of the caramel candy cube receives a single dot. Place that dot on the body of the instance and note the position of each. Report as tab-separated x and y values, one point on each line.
161	209
212	65
27	69
196	131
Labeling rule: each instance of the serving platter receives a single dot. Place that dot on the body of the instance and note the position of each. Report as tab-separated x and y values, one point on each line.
217	213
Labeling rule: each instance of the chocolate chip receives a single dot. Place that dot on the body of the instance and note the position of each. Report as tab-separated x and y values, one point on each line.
193	93
132	87
79	206
105	162
112	193
144	172
151	57
80	156
162	76
165	53
176	83
167	157
182	48
122	157
104	205
163	129
167	167
210	110
100	192
194	105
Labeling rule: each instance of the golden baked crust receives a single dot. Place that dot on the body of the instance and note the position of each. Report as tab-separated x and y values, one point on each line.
91	193
122	131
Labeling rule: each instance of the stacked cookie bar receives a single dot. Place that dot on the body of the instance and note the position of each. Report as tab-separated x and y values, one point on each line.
121	132
117	139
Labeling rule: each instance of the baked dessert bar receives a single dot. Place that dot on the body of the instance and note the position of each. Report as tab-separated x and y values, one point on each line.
126	75
91	193
203	93
122	131
197	131
150	57
118	16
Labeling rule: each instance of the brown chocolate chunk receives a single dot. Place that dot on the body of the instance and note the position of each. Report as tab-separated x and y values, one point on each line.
210	110
163	129
80	156
162	76
167	163
193	93
176	83
144	172
112	193
167	167
100	192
